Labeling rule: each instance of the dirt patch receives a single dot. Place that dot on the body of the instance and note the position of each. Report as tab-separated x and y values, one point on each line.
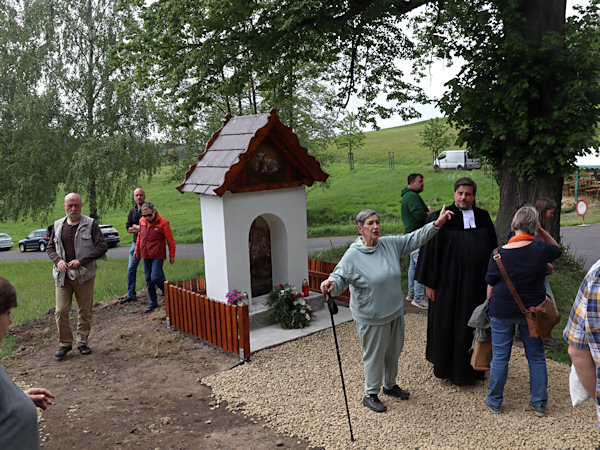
140	388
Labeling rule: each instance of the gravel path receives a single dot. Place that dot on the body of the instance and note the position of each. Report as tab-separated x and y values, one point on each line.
296	389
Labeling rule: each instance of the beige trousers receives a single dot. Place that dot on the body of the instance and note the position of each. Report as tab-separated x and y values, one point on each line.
84	295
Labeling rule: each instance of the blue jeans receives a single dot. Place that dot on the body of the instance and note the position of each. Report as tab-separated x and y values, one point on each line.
503	332
154	277
132	273
414	287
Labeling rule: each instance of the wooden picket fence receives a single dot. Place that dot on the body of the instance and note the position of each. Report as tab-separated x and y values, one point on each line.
191	311
319	271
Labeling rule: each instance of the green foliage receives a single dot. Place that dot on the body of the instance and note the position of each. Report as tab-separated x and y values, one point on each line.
248	57
436	137
66	118
216	64
288	308
527	98
565	282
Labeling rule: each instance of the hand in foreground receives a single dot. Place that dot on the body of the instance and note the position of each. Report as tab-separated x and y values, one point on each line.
172	260
136	255
74	264
444	216
62	266
40	397
429	292
326	286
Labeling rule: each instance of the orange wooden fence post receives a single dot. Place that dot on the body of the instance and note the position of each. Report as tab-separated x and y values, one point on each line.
244	321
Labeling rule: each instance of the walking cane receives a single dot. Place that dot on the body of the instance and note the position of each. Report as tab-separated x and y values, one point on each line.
333	309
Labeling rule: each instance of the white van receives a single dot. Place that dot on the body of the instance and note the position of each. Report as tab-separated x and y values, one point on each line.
456	159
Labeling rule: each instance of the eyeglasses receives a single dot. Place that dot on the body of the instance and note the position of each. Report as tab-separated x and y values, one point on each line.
147	215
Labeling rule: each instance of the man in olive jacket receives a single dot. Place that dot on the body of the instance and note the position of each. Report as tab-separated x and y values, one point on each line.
75	245
414	216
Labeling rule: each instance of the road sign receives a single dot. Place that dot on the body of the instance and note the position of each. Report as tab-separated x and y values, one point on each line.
582	208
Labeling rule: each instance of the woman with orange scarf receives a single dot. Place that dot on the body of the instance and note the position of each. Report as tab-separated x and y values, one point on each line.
525	260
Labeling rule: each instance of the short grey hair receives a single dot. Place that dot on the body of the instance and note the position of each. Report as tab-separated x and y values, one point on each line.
525	219
364	215
148	206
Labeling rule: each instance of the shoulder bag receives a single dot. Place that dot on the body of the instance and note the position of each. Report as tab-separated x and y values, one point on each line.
541	318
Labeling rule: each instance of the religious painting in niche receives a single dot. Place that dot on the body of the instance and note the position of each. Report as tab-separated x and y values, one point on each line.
259	247
266	165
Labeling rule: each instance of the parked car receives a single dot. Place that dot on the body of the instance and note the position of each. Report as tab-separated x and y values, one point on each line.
37	240
111	235
6	241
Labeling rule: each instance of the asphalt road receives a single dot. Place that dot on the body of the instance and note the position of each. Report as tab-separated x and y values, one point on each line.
183	251
583	242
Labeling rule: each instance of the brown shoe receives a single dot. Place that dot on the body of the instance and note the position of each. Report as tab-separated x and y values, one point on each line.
553	343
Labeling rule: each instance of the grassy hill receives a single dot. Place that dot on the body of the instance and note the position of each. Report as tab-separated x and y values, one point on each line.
330	209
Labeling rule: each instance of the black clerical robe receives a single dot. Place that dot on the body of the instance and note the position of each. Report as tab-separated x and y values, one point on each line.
454	263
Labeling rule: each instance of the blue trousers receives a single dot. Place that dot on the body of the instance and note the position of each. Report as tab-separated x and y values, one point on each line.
155	277
503	332
414	287
132	273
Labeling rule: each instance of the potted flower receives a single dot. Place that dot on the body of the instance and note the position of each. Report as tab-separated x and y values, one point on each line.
234	297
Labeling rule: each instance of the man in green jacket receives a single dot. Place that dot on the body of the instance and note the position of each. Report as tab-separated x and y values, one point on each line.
414	216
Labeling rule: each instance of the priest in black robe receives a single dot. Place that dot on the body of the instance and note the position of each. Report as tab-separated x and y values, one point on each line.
452	266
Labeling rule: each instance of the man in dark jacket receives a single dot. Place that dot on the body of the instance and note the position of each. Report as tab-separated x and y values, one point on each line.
414	216
133	226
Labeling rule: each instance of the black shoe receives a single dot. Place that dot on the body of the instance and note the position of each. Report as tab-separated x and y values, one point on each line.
84	349
149	309
397	392
127	300
373	403
62	351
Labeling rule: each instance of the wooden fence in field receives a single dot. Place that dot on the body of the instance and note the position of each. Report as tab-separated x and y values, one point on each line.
189	309
319	271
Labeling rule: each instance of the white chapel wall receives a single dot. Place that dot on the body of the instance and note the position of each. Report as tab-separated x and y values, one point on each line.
226	224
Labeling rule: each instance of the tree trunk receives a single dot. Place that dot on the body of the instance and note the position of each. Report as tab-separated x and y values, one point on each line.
515	193
541	16
92	200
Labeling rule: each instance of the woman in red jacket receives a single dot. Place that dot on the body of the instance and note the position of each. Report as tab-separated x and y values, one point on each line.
150	244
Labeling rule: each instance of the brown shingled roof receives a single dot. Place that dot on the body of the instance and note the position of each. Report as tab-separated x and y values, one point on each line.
244	143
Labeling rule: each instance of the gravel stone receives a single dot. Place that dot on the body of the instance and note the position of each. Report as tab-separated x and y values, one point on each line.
296	389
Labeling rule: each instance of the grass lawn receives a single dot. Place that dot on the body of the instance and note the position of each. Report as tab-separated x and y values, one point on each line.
330	209
35	285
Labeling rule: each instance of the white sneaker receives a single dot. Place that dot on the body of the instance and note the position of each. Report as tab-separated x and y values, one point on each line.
409	298
420	302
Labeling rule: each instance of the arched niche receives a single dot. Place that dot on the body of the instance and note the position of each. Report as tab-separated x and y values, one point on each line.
267	253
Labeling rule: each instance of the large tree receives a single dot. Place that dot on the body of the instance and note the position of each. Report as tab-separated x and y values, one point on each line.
67	119
205	59
32	131
110	120
526	99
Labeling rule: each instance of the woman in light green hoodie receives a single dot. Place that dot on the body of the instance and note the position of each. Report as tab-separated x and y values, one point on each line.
371	269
